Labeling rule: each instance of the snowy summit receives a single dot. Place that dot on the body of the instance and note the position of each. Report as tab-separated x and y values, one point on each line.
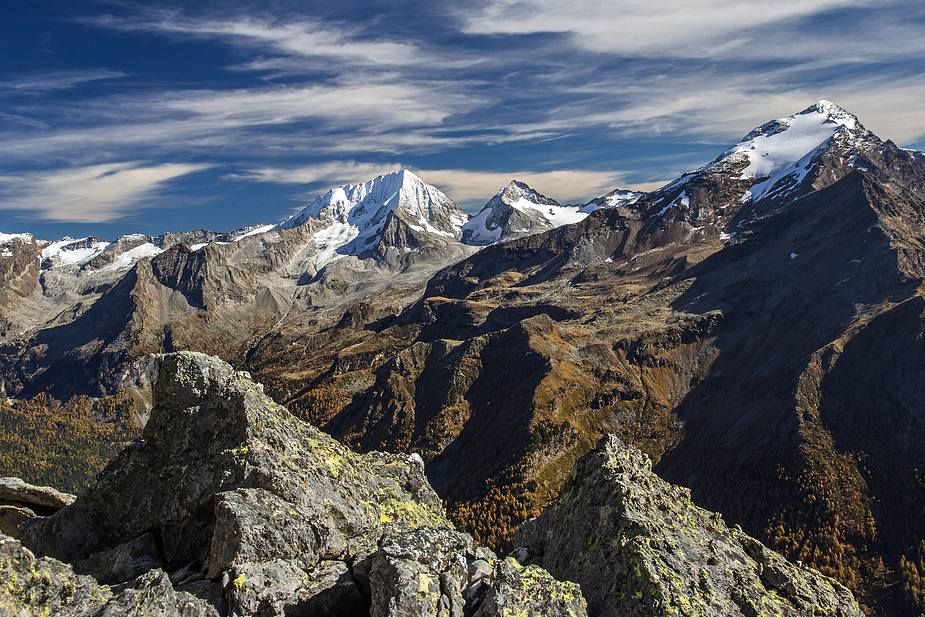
787	146
353	216
517	210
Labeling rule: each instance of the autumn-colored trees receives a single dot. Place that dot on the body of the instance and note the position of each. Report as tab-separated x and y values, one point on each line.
912	576
65	445
318	405
493	518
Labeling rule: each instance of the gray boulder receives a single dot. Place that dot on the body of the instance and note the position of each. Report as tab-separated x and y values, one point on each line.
421	573
21	502
638	546
16	491
45	586
237	489
530	591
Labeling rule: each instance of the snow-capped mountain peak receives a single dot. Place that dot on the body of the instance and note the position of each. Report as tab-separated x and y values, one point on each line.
785	149
613	199
354	215
517	210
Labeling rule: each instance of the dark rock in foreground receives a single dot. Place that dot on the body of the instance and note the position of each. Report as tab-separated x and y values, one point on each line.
638	546
49	587
21	502
229	485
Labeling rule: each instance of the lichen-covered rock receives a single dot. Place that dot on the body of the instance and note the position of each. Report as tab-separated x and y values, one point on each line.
280	587
232	483
34	586
421	573
530	591
638	546
45	586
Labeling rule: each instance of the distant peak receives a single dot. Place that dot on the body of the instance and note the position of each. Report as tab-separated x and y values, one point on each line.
834	112
516	190
404	175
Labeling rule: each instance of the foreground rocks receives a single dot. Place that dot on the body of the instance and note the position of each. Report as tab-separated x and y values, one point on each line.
228	485
231	506
21	502
638	546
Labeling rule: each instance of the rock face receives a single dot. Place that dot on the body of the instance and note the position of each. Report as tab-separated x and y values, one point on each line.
46	586
20	502
232	486
638	546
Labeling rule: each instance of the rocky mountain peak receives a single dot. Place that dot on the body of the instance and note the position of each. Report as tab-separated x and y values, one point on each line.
363	219
517	191
778	161
515	211
636	544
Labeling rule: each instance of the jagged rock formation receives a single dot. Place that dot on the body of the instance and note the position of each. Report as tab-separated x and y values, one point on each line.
517	211
21	502
253	512
638	546
241	486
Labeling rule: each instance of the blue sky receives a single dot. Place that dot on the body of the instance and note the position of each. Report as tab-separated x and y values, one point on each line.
116	117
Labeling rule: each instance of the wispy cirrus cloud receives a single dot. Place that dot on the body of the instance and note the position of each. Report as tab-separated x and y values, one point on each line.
37	83
93	194
374	115
311	41
695	29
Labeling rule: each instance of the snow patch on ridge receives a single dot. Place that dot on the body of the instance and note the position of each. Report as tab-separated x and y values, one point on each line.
555	215
131	256
70	252
7	238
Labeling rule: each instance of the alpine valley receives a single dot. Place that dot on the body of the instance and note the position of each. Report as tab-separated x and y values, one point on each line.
756	327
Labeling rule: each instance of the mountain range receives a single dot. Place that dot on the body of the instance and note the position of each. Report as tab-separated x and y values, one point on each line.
754	326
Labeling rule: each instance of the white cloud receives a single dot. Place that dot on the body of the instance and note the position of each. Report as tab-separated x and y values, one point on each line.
331	173
642	28
94	194
56	80
371	115
316	43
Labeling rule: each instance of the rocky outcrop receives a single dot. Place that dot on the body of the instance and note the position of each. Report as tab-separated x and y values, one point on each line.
421	572
638	546
45	586
21	502
233	488
530	591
